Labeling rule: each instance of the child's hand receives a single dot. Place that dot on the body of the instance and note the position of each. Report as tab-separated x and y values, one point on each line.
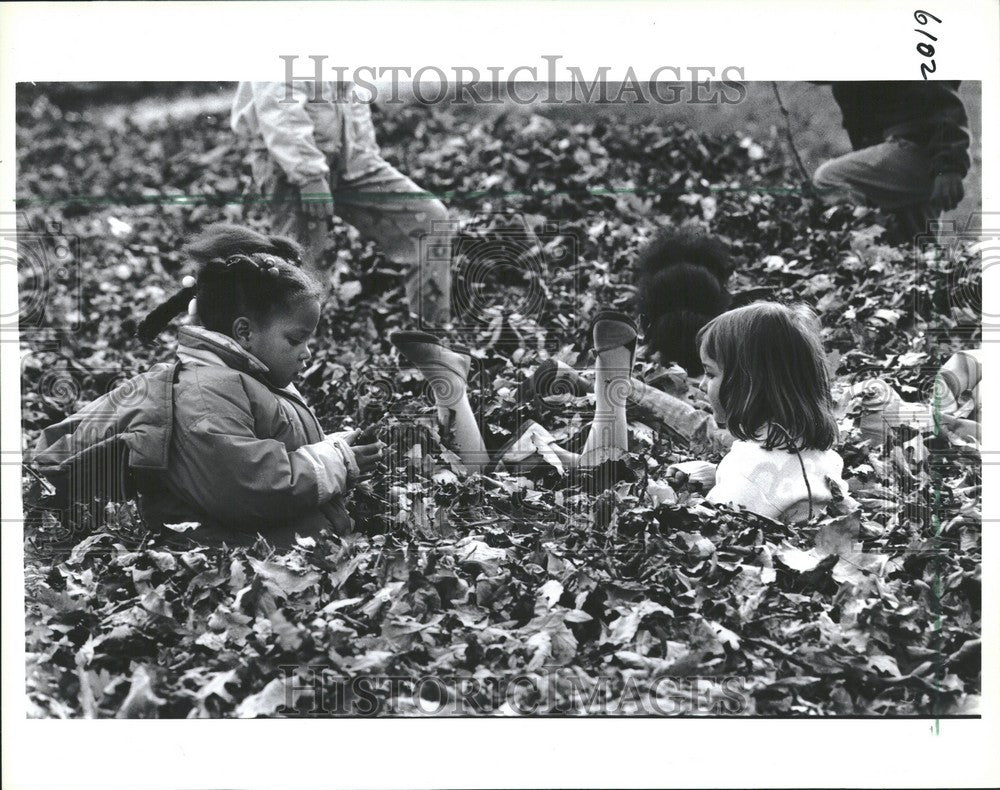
367	436
367	457
695	475
316	200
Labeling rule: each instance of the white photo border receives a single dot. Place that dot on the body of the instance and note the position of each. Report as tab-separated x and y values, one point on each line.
772	40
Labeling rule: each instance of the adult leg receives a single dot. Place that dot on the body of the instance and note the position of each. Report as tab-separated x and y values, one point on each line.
389	208
912	221
894	176
285	211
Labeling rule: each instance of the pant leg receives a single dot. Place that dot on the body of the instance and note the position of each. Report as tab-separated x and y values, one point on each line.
894	176
285	211
387	207
880	407
956	388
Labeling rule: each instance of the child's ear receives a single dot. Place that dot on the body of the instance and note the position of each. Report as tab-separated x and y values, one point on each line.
241	331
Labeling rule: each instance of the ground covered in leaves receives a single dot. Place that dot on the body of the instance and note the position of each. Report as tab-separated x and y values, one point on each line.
524	591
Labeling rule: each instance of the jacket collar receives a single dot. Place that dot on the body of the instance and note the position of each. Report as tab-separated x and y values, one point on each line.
199	346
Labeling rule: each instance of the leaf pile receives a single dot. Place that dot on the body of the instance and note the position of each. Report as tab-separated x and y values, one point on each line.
610	598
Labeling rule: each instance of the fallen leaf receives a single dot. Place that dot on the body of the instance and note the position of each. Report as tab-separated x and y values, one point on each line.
141	702
281	580
276	695
183	526
624	629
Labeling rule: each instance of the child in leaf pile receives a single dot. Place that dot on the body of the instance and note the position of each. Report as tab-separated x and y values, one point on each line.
681	291
680	287
315	156
220	438
765	378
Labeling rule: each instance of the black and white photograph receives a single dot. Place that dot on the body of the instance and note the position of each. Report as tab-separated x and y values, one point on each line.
527	389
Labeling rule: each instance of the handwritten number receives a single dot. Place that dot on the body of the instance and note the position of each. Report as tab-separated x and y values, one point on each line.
923	48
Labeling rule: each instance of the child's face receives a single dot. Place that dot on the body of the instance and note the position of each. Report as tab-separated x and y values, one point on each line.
282	342
711	382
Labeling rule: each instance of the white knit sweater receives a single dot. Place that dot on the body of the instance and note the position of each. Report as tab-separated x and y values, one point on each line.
771	483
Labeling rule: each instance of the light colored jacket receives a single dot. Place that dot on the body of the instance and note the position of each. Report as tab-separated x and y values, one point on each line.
221	446
303	135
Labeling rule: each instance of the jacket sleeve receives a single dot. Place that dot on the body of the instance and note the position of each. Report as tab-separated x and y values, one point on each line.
236	476
948	146
288	131
693	425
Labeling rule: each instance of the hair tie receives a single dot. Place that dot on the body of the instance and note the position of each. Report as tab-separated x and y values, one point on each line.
187	283
269	265
262	262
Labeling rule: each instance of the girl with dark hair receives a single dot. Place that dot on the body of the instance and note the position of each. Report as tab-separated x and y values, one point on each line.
221	437
680	286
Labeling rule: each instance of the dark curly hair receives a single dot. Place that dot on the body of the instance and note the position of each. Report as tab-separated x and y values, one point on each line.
681	280
243	273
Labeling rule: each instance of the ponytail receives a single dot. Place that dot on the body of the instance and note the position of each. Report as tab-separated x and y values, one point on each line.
157	320
242	272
